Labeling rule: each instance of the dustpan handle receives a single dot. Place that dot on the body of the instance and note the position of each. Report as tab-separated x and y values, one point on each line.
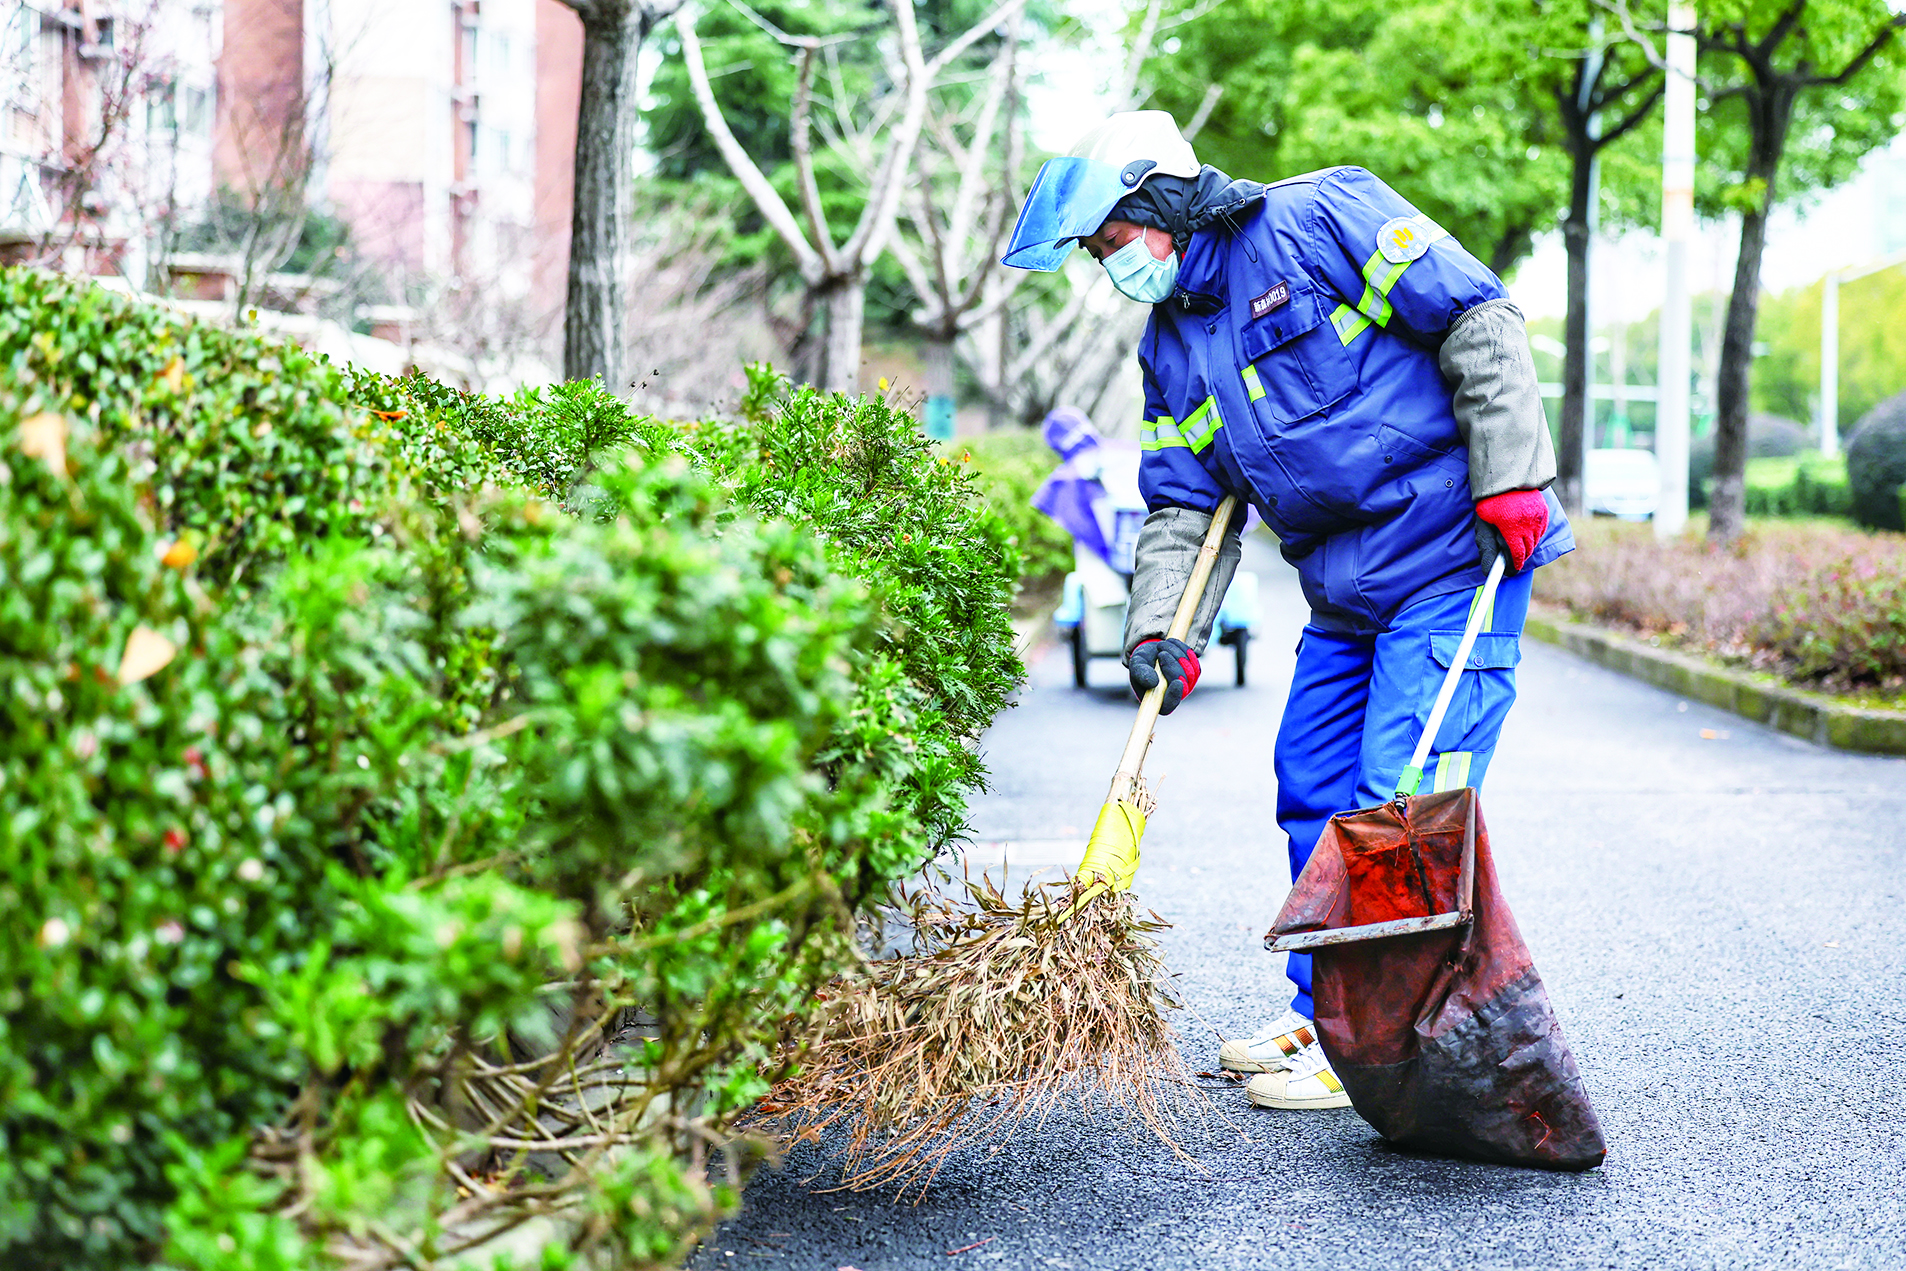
1412	777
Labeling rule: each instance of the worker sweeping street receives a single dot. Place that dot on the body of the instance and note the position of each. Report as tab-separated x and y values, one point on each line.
1321	350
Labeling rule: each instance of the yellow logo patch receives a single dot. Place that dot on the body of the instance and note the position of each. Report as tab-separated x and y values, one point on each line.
1403	239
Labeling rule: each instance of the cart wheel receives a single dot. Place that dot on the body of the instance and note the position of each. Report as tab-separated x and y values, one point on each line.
1237	647
1080	658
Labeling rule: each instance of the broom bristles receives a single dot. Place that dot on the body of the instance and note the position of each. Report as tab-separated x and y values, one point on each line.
1022	1008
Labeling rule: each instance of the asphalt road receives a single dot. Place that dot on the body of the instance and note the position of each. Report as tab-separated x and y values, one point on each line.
1719	912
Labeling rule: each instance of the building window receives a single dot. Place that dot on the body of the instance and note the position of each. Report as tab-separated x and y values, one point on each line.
198	111
161	113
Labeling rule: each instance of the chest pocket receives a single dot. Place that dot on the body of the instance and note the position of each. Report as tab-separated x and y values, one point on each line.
1294	364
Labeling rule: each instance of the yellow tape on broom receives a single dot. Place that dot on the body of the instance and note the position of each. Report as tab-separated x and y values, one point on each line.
1111	854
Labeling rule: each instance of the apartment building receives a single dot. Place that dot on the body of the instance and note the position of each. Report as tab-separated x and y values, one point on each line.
106	129
439	131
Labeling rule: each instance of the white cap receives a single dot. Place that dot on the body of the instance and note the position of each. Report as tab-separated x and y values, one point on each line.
1141	144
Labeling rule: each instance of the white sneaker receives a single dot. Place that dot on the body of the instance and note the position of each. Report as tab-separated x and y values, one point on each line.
1271	1047
1306	1083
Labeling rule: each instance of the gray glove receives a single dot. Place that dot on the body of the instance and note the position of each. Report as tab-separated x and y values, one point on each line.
1170	658
1167	553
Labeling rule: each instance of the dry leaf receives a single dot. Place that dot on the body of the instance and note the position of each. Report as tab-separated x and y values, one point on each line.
147	653
1010	1008
43	436
173	376
178	554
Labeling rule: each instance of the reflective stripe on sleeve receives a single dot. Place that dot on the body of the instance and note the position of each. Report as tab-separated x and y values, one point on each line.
1159	434
1195	433
1202	426
1379	277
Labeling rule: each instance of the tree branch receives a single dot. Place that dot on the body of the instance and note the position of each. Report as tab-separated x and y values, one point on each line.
1125	92
916	276
883	196
774	211
972	171
1198	117
1864	56
1782	27
995	302
1641	111
804	162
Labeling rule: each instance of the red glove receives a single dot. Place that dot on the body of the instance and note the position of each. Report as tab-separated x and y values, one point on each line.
1513	521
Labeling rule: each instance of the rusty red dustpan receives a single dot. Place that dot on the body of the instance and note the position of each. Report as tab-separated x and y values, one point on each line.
1427	1001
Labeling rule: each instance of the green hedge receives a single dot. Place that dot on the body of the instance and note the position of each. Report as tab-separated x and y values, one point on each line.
1010	467
1808	484
429	760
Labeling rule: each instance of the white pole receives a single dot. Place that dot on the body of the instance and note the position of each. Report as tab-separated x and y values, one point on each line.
1830	364
1677	229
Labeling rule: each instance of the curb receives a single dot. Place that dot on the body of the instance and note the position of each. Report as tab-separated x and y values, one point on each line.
1815	716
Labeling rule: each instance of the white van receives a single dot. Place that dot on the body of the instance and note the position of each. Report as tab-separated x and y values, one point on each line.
1623	483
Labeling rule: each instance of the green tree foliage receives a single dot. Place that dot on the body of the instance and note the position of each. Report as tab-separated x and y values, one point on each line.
1417	93
1872	348
352	723
1832	127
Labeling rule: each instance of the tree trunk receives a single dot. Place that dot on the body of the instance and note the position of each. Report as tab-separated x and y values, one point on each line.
593	341
1727	502
1575	336
843	301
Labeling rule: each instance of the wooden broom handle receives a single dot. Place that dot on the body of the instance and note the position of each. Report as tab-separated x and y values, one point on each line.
1133	761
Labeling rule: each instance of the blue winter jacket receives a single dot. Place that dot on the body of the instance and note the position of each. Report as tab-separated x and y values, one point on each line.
1295	366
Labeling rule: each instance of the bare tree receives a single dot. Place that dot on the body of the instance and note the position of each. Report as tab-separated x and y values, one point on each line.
274	88
594	342
950	253
835	274
107	78
700	321
1067	342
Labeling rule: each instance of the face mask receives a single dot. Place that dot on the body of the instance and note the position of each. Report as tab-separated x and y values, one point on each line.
1140	275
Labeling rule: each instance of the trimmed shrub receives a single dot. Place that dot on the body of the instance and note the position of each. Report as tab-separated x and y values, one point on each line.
1807	484
343	777
1768	437
1821	605
1876	466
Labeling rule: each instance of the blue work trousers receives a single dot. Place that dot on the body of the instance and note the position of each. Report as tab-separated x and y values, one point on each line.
1360	701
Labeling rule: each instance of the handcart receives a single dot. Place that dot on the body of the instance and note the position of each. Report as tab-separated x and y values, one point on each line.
1094	494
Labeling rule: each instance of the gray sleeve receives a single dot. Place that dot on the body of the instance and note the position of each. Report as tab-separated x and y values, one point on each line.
1498	406
1167	551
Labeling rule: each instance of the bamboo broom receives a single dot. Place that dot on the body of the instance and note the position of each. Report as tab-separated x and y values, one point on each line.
1013	1009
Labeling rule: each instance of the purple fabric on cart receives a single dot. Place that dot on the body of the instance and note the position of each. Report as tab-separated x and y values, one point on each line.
1071	498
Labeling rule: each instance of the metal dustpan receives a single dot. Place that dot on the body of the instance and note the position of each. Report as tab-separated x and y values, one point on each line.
1428	1004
